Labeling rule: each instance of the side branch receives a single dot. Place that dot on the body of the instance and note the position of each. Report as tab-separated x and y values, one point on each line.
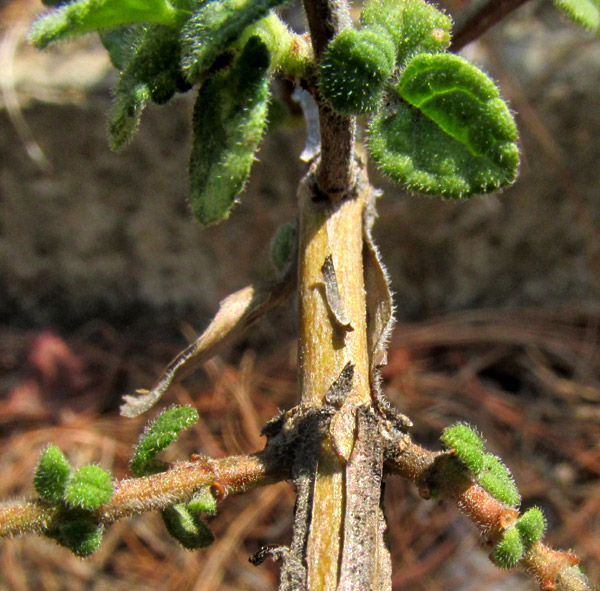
151	493
442	474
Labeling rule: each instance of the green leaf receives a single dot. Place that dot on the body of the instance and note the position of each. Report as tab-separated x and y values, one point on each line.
496	478
509	550
449	133
151	72
125	114
415	26
214	27
584	12
187	527
121	42
467	445
531	526
230	117
51	474
354	69
86	16
81	537
89	487
203	502
158	435
289	51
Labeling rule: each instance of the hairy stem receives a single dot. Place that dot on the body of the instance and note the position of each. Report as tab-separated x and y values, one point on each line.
483	17
440	472
151	493
335	172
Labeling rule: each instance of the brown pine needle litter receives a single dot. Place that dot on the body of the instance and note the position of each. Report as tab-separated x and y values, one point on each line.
529	380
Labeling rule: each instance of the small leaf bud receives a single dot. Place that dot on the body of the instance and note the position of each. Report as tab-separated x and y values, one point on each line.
509	550
51	474
81	537
355	68
497	480
467	445
531	526
158	435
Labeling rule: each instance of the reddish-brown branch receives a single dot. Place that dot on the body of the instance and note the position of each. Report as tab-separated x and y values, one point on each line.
440	473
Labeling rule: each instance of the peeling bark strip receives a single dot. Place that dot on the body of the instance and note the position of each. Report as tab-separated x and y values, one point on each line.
366	561
339	390
332	295
294	574
380	309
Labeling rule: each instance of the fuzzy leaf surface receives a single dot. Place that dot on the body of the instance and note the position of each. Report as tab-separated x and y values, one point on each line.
86	16
158	435
531	526
230	117
509	550
151	71
187	527
467	445
81	537
203	502
214	27
51	474
354	69
449	133
415	26
584	12
89	487
496	478
120	43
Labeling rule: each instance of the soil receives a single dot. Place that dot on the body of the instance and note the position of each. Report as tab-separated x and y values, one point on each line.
90	233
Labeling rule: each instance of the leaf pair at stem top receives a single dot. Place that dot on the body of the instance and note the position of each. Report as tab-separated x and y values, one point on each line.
439	124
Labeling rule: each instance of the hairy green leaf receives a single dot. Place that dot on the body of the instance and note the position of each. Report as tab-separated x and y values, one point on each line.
496	478
121	42
230	117
89	487
584	12
354	69
214	27
531	526
158	435
151	72
450	133
415	26
467	445
51	474
124	116
81	537
203	502
509	550
187	527
86	16
290	52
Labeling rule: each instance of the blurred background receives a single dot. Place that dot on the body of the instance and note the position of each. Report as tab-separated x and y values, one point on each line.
104	276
